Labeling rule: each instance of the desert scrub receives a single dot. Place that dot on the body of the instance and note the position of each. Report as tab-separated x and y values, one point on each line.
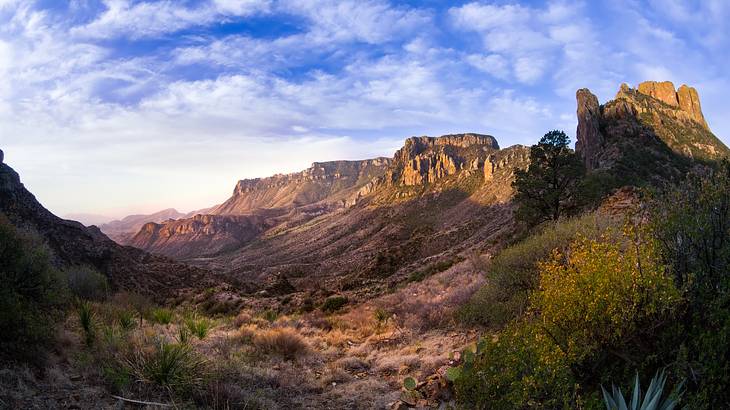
162	316
284	342
86	283
125	319
333	304
171	365
513	274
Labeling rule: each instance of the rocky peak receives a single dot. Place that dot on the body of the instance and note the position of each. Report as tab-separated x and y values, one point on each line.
428	159
654	114
2	156
686	98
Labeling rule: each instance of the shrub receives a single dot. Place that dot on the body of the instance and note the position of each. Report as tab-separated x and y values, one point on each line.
270	315
600	307
86	283
171	365
522	368
162	316
30	295
281	341
605	296
333	304
513	274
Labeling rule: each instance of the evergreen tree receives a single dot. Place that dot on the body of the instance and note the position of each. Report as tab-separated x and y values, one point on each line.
549	188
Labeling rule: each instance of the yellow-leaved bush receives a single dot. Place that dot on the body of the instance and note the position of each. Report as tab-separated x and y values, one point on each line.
603	293
592	319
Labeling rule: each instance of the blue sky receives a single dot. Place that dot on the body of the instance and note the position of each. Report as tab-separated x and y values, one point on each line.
121	106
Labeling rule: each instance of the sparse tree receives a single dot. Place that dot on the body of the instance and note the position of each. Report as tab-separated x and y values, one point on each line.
549	188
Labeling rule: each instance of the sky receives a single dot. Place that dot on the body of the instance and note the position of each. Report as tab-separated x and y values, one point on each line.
115	107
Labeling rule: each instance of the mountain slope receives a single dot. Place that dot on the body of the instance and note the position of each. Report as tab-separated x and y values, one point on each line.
440	199
74	244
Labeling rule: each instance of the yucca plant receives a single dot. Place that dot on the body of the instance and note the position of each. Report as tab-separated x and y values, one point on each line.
162	316
86	319
652	399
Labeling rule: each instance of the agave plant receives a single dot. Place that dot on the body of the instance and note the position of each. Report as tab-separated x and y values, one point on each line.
652	399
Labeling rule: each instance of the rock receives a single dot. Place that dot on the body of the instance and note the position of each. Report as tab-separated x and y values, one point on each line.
2	156
662	91
588	135
689	102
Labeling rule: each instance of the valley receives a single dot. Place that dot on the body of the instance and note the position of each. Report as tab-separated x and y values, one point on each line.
380	283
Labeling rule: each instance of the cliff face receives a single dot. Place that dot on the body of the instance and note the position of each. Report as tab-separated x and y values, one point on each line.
652	119
333	182
428	159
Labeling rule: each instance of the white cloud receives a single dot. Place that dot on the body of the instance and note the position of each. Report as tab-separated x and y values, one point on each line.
152	18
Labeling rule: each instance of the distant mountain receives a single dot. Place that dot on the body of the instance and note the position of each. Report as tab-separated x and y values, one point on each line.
122	230
88	219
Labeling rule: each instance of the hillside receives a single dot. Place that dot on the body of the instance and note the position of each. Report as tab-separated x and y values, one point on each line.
73	244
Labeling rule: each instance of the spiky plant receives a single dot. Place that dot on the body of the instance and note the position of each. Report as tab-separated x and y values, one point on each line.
652	399
86	319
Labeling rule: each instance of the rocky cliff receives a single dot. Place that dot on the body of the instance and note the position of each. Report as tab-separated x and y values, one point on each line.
653	125
427	159
333	182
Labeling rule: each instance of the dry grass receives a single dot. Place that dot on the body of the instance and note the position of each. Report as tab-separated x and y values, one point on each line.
242	318
284	342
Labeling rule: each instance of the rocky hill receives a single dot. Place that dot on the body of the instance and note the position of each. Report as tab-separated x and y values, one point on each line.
122	230
74	244
648	133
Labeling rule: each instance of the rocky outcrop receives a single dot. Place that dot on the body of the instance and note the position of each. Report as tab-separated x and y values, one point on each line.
653	119
663	91
686	98
589	138
689	102
425	160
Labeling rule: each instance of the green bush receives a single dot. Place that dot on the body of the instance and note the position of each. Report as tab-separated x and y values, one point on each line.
86	283
334	303
513	274
31	294
522	368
